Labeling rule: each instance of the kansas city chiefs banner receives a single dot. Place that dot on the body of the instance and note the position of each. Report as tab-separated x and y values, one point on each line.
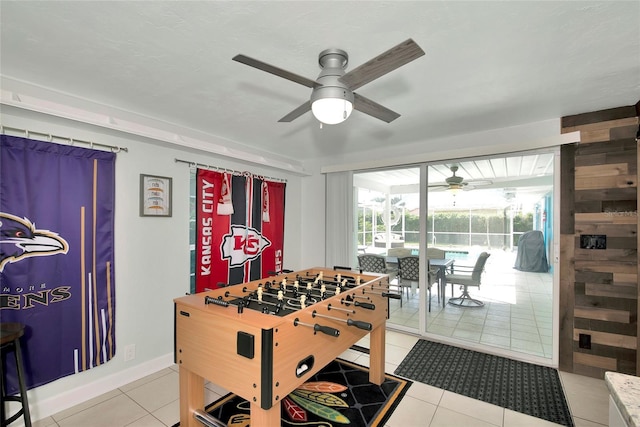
240	228
56	256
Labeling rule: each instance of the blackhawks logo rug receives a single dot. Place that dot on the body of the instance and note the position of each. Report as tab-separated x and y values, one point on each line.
339	395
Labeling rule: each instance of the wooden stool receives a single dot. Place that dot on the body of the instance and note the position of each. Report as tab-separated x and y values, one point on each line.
10	336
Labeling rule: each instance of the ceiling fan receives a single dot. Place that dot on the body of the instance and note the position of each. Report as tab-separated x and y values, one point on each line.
332	96
457	183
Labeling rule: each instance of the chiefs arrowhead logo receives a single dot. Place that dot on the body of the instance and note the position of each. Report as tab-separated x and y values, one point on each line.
243	244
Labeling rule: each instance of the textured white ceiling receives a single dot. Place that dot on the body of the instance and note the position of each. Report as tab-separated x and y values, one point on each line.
487	65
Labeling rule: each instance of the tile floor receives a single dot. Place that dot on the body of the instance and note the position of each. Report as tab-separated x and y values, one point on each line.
154	401
517	314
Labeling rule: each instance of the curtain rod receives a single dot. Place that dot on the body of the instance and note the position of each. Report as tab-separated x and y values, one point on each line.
231	171
71	141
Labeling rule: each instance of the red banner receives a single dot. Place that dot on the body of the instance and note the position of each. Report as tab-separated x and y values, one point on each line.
240	228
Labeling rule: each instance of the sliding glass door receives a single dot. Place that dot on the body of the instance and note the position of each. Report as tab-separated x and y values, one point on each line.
504	208
498	205
388	226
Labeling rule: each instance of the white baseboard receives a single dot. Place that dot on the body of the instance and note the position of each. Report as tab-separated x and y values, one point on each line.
44	408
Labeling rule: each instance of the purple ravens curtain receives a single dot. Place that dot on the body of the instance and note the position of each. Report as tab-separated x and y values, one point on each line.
56	256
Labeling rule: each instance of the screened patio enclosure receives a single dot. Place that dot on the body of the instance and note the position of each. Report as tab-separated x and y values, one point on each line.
503	198
491	216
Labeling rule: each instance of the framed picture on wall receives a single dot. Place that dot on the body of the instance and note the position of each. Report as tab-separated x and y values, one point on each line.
155	195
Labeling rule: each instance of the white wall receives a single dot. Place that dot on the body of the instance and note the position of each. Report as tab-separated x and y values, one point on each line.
151	255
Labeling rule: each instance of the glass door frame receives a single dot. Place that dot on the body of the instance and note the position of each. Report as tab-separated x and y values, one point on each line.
553	263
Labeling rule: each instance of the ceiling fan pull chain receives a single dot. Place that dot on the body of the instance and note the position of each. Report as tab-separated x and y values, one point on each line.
344	113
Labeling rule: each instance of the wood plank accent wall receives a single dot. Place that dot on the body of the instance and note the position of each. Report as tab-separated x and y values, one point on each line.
599	292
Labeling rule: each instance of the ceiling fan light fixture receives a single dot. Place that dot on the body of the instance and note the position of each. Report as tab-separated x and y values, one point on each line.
331	111
455	188
331	104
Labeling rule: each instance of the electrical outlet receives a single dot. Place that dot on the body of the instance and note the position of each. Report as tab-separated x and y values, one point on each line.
584	341
129	352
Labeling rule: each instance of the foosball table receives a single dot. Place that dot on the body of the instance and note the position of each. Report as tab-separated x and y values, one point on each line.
262	339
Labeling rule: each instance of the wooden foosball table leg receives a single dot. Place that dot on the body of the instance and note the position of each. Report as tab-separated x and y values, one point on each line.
191	397
265	417
376	355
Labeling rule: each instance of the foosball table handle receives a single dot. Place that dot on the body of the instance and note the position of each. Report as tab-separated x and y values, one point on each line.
360	324
326	330
365	305
217	301
391	295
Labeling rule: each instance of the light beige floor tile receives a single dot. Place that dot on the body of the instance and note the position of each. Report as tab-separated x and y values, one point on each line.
527	327
350	355
526	346
128	387
157	393
45	422
452	323
522	316
169	414
526	336
412	323
447	418
84	405
148	421
496	307
401	340
394	354
495	340
588	398
400	317
425	392
412	412
365	341
215	388
467	335
484	411
474	313
579	422
464	325
491	323
518	419
452	315
499	317
390	367
116	412
497	331
362	360
440	330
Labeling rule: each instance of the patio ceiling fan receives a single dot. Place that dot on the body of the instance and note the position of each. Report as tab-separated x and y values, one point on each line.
457	183
332	95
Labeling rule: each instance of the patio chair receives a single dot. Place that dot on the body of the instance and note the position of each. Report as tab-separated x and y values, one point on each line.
392	267
466	276
372	263
433	277
435	253
399	252
409	273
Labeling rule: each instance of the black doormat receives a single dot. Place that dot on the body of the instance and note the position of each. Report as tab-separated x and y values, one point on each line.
523	387
339	394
